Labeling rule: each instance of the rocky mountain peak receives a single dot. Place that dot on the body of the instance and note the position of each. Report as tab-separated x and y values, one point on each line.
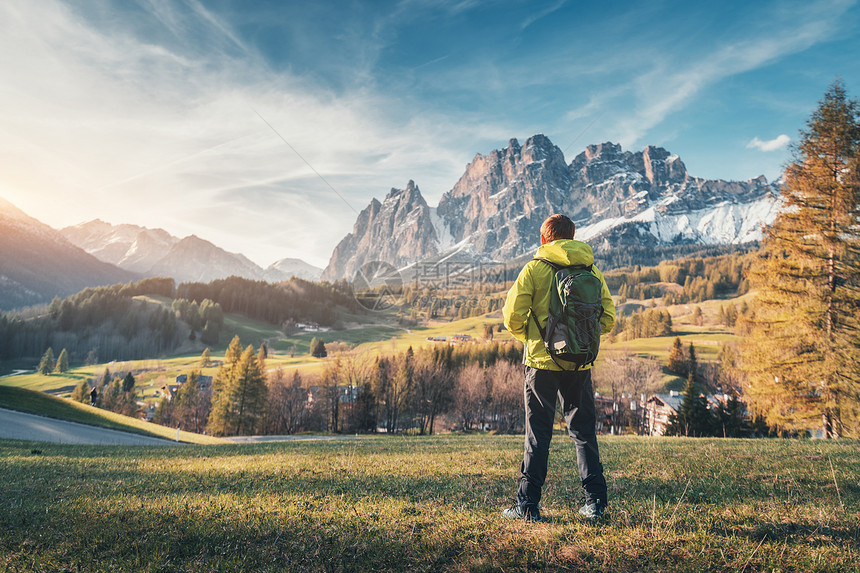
662	167
495	209
399	230
605	151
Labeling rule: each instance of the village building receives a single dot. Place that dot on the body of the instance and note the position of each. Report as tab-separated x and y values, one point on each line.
657	412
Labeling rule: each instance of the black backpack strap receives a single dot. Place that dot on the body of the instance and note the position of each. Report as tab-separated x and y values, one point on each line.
541	330
554	266
557	266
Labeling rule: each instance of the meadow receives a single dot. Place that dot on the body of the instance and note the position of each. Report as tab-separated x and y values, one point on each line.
428	504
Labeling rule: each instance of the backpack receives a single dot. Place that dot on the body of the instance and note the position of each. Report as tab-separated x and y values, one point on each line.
572	330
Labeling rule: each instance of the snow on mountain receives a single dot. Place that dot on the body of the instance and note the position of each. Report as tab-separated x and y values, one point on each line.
285	269
616	198
726	223
443	233
155	252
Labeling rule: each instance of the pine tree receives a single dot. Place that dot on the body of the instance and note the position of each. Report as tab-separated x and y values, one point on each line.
46	365
677	361
692	362
106	377
241	399
318	348
803	353
698	320
62	362
693	418
262	354
128	382
82	392
206	358
222	414
729	418
191	404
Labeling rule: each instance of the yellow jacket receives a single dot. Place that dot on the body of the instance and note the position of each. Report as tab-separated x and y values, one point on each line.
531	291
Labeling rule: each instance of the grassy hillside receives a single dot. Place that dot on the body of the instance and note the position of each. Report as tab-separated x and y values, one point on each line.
376	337
38	403
429	504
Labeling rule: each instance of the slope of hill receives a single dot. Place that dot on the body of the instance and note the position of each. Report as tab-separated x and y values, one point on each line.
38	263
37	403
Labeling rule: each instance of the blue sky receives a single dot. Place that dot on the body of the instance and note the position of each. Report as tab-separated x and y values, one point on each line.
155	112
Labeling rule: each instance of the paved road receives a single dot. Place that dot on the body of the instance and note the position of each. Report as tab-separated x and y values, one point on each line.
20	426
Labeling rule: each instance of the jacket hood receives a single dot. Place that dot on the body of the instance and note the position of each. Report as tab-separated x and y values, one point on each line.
566	252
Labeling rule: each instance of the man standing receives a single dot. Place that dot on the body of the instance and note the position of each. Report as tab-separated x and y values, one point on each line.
525	314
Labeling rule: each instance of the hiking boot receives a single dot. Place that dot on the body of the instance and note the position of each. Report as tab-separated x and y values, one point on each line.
592	510
517	512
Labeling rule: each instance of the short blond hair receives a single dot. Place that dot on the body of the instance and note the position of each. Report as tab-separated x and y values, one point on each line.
557	227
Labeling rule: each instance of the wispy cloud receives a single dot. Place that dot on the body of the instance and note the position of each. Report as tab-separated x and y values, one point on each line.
542	14
672	83
774	144
153	133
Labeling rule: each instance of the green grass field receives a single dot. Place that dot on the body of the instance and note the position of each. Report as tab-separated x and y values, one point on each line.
428	504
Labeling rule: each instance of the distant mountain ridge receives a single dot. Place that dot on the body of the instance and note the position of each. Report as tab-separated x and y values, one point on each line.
155	252
37	262
616	198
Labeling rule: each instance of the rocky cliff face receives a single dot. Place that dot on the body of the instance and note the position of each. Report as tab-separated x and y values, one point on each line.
399	231
615	197
502	198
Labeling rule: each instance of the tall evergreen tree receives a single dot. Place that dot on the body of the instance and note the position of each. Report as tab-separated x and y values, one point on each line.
46	365
318	348
82	392
803	353
692	362
222	416
693	419
206	358
62	362
191	404
128	382
677	361
247	394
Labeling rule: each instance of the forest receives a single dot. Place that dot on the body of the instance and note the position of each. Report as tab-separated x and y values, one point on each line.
109	323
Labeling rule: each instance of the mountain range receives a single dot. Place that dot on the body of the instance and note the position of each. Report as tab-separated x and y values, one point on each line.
37	262
617	199
155	252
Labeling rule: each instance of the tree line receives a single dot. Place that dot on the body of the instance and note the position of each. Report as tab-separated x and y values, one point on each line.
295	299
468	387
111	324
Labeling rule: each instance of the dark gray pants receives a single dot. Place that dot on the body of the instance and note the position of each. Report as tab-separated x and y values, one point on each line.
577	402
